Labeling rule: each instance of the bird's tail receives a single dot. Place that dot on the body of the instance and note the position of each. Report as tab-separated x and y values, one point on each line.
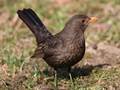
29	17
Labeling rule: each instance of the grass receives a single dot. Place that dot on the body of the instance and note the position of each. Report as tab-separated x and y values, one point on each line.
18	44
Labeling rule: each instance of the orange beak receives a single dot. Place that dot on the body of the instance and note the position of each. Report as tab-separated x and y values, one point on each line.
93	19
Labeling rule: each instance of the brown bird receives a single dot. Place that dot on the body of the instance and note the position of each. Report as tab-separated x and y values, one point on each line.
64	49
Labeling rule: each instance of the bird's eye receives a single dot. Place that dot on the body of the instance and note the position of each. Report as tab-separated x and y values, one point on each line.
83	21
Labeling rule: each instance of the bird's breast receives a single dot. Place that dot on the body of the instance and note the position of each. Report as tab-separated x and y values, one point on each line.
76	48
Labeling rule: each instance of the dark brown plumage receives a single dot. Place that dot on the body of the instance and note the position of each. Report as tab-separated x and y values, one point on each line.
62	50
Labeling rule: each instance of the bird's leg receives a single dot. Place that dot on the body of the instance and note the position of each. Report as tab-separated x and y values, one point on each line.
71	79
55	80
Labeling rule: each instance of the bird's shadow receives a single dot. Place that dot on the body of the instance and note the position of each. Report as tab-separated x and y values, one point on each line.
86	70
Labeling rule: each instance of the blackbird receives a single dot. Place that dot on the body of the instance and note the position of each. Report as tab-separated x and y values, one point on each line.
64	49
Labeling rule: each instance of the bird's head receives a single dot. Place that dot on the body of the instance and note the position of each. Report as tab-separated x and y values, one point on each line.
81	21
